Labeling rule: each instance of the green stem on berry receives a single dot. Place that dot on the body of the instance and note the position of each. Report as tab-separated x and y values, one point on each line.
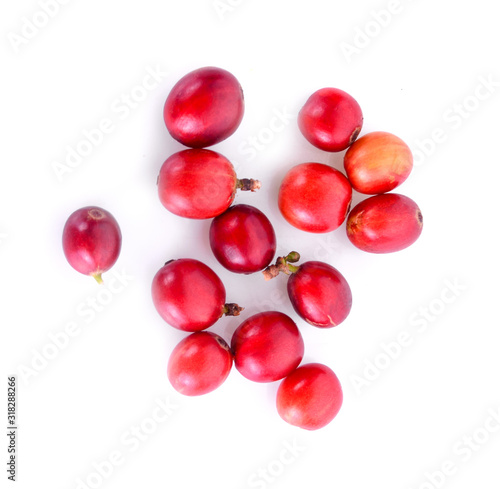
292	257
283	264
292	268
98	277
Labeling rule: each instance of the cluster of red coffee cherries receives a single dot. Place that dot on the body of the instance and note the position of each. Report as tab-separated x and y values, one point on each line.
205	107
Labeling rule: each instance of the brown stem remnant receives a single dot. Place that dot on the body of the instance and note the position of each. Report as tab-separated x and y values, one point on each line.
232	309
283	264
248	184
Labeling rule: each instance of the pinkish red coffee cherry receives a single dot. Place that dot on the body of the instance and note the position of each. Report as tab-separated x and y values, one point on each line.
330	119
267	346
309	397
199	183
378	162
319	293
384	223
199	364
91	241
314	197
189	295
204	107
243	239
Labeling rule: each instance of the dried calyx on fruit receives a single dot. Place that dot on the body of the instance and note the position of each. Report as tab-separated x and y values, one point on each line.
319	293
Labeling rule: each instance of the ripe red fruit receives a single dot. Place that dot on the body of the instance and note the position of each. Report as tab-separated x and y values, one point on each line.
330	119
314	197
189	295
199	183
199	364
243	239
91	241
310	397
384	223
378	162
204	107
319	293
267	346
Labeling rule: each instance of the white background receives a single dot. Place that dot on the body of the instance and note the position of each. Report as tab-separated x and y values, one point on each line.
416	76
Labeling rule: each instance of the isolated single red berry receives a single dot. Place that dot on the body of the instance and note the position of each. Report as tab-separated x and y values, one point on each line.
199	364
309	397
204	107
384	223
189	295
243	239
330	119
314	197
91	241
199	183
267	346
378	162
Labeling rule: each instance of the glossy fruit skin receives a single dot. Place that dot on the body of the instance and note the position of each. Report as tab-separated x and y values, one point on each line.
188	294
199	364
330	119
204	107
320	294
314	197
378	162
267	346
91	241
310	397
243	239
197	183
384	223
